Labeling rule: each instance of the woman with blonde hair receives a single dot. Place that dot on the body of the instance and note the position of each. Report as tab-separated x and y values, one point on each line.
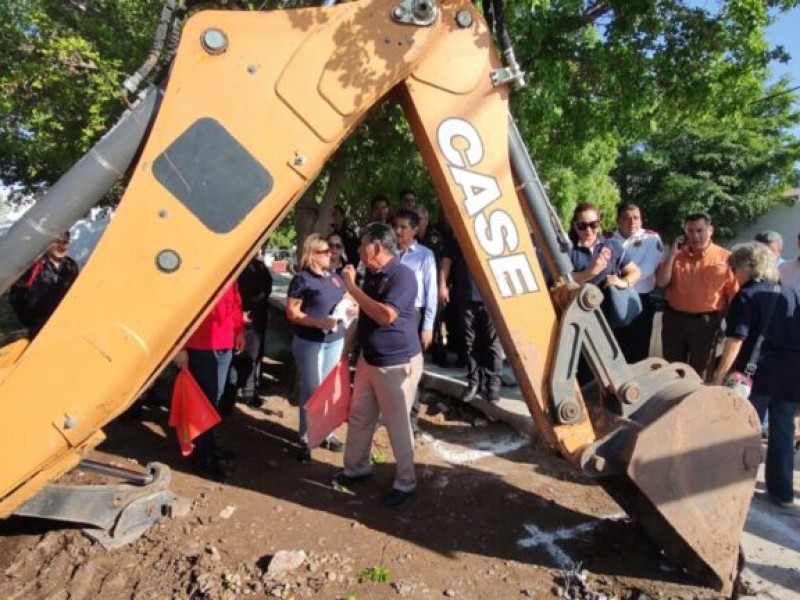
762	340
313	293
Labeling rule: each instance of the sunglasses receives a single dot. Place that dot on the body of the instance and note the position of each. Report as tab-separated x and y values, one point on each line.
323	251
584	225
336	246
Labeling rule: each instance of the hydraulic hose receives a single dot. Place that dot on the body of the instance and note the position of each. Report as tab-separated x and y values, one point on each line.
78	190
554	240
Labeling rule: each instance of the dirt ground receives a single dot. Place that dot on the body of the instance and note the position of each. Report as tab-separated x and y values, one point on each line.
495	516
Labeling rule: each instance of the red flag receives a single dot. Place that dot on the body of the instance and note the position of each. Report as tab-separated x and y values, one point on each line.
328	406
191	412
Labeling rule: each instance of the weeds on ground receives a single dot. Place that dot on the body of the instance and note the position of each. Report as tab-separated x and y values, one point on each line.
376	574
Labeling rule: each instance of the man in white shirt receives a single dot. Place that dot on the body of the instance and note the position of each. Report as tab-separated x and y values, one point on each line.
644	248
422	262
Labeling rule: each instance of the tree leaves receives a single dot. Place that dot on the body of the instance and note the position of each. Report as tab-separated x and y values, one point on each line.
656	101
60	79
733	166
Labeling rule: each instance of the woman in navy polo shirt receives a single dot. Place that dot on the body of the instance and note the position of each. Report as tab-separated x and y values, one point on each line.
596	259
776	383
318	338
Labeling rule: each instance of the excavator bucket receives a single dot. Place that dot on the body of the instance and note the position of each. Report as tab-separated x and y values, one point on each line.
689	476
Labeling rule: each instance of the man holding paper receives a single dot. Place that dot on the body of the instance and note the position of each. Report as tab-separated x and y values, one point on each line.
390	365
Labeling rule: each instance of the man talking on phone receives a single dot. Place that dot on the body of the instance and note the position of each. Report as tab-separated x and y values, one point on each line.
698	286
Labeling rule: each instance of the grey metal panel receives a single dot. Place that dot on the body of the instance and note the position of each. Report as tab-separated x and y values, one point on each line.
212	175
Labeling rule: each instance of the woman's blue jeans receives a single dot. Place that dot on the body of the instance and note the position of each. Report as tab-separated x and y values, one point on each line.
314	361
780	444
210	370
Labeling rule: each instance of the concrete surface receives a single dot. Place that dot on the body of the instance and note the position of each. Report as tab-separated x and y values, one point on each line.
771	544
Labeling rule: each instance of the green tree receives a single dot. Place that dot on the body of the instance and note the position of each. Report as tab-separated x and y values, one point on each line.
734	166
609	74
60	79
603	75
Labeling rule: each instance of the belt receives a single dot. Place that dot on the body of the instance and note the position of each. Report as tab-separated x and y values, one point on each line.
691	315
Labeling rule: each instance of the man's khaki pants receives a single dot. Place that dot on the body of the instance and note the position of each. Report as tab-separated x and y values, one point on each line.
387	391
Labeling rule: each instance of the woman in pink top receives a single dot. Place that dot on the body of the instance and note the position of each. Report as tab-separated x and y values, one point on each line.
208	354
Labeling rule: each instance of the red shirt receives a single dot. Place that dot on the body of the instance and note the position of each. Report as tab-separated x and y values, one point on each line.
220	327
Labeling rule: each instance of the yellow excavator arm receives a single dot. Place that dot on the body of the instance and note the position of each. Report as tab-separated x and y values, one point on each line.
254	106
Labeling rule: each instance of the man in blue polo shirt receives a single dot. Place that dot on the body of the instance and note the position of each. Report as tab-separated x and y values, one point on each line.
390	365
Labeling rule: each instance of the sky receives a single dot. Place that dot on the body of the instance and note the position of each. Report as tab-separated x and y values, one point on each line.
786	33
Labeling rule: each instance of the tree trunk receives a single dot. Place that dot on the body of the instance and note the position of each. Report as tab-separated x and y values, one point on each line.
310	217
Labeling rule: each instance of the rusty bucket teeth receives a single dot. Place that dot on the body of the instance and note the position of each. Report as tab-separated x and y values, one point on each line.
690	477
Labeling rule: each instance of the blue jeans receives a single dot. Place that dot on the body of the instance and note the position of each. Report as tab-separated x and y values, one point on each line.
210	370
314	361
780	444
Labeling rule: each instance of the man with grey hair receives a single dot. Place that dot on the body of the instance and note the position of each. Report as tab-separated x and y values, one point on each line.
390	365
774	241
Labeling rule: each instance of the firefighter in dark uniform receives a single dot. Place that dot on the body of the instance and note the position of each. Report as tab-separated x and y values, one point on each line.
432	237
255	287
37	294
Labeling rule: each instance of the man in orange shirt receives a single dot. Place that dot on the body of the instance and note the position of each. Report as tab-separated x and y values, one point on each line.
698	286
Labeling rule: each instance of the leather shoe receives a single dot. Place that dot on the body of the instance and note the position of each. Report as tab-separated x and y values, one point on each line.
223	454
395	498
209	469
342	480
304	454
509	382
255	402
468	395
332	444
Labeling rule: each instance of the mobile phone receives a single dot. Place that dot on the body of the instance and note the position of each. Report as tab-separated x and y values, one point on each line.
681	241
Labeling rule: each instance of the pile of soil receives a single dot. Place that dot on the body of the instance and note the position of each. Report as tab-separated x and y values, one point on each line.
495	516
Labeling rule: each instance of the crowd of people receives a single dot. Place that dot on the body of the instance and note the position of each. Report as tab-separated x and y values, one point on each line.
744	294
409	289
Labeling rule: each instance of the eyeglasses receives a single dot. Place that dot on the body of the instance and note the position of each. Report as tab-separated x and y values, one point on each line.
336	246
323	251
584	225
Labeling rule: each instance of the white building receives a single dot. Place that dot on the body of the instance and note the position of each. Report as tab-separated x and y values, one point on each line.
785	219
